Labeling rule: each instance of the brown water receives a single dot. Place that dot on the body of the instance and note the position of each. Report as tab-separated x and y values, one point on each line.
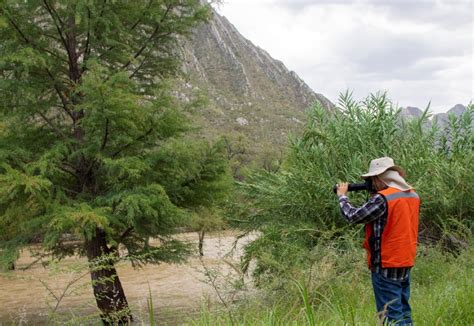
177	291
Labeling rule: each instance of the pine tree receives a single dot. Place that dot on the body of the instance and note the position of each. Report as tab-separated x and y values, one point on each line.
92	144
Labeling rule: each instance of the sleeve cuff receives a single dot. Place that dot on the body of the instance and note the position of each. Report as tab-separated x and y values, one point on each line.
343	198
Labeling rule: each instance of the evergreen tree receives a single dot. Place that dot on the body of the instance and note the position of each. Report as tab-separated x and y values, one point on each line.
91	142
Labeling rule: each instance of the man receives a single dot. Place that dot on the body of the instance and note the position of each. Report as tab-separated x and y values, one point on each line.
391	231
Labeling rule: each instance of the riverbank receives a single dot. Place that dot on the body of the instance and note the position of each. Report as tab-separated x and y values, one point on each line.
208	291
31	296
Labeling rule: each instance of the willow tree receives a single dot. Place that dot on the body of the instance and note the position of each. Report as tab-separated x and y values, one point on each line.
90	134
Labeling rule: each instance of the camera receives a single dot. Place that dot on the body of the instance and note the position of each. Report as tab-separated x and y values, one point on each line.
367	185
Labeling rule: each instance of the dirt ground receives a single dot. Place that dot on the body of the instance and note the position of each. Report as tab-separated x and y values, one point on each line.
178	291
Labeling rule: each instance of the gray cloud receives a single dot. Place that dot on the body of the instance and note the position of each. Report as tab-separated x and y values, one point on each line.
448	13
451	14
396	56
299	5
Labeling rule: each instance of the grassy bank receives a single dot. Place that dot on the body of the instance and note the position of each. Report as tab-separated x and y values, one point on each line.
337	291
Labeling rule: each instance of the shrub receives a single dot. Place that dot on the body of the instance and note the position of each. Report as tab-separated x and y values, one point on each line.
295	208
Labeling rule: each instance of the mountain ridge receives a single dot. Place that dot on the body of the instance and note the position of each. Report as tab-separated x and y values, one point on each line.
248	92
442	118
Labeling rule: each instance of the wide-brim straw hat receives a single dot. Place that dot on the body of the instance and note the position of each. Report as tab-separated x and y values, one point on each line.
380	165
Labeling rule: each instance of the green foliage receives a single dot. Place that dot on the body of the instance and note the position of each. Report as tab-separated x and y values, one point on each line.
237	146
92	142
295	208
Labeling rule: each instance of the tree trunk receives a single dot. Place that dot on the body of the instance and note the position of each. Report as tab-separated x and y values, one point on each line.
201	241
108	291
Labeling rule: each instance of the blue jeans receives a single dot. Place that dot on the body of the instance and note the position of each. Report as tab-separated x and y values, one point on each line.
393	297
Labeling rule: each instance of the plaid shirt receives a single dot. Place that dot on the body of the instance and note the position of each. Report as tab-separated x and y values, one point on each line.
374	210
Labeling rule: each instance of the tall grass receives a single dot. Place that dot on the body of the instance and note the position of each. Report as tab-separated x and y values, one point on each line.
308	307
150	308
342	295
309	264
295	209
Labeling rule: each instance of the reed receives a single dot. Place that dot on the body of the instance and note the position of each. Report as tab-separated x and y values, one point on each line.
295	209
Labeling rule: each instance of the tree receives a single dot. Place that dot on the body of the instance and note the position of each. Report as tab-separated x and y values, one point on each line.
89	131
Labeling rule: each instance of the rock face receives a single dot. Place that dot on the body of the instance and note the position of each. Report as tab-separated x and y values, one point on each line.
410	112
442	119
248	91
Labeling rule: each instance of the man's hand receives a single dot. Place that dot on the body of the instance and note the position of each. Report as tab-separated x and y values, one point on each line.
342	189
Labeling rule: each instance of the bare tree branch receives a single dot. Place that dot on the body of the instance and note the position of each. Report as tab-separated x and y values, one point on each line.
68	171
50	123
34	262
155	32
71	37
58	28
145	58
88	37
60	94
125	234
106	134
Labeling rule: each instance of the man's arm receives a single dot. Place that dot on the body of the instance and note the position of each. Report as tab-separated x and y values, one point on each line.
370	211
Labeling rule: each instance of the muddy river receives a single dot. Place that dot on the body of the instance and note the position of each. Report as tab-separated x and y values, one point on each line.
178	291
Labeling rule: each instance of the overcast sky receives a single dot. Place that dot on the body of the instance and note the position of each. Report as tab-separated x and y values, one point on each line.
418	50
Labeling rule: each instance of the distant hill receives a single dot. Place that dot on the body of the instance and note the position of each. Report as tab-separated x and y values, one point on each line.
411	112
441	118
249	93
247	90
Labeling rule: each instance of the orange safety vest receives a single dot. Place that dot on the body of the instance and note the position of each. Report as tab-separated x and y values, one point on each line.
400	234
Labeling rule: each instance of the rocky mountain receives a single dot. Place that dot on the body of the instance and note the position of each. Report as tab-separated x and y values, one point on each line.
441	118
247	91
410	112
